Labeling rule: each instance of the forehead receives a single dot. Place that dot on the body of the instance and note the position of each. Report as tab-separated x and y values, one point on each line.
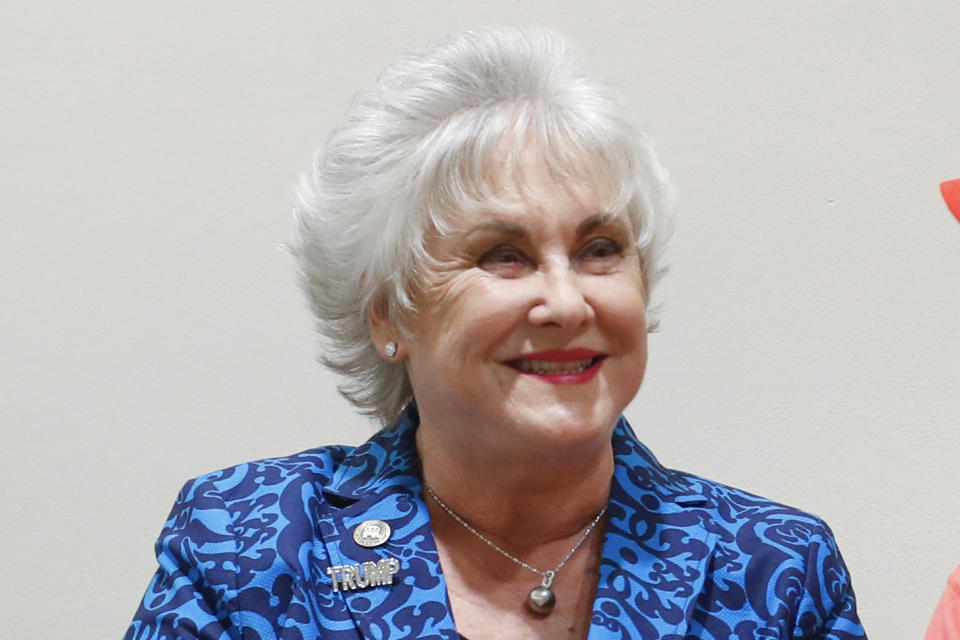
522	209
516	177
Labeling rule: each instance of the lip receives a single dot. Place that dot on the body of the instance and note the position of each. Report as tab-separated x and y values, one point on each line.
562	355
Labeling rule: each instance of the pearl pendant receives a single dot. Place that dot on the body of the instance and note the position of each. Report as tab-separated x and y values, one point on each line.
541	600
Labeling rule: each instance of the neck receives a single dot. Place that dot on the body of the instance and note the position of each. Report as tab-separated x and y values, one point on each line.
523	496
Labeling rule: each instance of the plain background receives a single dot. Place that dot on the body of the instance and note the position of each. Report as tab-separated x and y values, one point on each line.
151	330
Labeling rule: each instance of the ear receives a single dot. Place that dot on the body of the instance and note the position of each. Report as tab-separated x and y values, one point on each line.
383	332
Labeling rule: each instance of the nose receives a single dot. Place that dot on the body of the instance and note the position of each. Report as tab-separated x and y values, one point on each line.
560	299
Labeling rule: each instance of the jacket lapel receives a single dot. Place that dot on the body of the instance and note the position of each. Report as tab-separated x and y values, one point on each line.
656	550
381	481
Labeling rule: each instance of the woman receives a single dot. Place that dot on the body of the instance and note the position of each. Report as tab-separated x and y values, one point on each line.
479	240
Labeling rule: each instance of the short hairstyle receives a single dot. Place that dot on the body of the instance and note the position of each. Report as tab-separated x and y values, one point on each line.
430	139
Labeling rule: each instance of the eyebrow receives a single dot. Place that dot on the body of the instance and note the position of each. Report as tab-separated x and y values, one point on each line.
499	227
519	231
596	220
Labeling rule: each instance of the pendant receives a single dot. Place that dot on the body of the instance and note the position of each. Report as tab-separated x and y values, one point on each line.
541	600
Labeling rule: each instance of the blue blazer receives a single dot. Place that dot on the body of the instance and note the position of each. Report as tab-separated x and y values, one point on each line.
246	552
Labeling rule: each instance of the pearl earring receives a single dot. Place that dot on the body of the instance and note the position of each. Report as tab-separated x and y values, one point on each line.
390	349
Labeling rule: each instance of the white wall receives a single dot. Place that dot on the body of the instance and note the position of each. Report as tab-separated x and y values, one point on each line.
150	330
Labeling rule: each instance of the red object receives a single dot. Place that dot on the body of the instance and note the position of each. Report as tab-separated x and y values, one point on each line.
563	355
951	195
945	624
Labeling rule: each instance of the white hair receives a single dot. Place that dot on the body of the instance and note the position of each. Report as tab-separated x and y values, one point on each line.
429	140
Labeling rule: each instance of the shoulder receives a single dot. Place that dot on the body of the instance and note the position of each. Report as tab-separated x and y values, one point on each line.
268	476
249	506
732	508
772	550
755	535
292	490
744	562
333	470
250	520
720	508
765	551
254	502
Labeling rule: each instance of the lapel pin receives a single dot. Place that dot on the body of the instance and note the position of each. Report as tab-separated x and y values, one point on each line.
371	533
347	577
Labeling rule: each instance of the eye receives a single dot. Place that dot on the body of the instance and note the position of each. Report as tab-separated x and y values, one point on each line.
601	249
504	259
503	254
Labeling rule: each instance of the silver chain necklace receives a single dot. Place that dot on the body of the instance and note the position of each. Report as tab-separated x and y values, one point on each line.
540	600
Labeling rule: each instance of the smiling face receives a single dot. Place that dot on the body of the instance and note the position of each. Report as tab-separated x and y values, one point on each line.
530	330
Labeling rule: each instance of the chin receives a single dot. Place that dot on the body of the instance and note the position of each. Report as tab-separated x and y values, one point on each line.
570	426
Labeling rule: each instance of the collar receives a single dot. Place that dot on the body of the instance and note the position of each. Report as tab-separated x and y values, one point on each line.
386	462
655	549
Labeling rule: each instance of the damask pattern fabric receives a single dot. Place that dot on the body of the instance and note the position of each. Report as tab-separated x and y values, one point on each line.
245	552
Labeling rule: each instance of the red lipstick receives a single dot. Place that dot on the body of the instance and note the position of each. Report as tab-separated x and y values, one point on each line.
545	365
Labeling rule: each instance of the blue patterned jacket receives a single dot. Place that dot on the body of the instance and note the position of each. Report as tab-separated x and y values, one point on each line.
246	550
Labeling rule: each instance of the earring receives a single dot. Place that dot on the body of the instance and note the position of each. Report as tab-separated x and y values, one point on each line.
390	349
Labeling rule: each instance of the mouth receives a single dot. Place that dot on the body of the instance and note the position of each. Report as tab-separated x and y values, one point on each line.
571	366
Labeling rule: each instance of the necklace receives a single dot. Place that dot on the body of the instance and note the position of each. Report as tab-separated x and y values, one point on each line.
540	600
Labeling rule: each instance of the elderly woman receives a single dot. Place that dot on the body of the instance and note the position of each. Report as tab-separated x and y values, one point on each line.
479	240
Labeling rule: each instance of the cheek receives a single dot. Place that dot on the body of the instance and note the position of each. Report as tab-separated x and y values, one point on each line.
623	321
626	324
624	303
467	311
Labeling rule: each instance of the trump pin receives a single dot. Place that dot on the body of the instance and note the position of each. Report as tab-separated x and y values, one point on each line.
347	577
